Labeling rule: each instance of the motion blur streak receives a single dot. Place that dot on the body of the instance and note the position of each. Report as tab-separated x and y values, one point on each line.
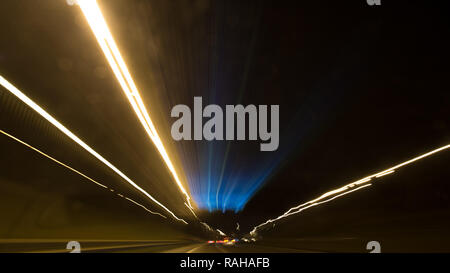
53	159
142	206
206	226
190	208
74	170
304	207
221	232
345	189
95	19
68	133
384	173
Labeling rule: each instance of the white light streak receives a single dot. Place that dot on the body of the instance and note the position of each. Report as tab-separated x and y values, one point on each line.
206	226
16	92
192	211
384	173
221	232
53	159
142	206
346	189
304	207
74	170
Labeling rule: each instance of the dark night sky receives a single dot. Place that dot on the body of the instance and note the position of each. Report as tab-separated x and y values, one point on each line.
360	89
376	83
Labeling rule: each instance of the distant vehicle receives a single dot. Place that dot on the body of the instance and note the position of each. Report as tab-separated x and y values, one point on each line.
225	241
229	241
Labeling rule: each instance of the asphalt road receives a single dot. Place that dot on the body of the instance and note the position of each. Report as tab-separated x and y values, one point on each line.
238	248
60	246
291	245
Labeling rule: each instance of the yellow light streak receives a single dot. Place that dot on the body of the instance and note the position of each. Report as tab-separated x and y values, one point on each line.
75	171
16	92
99	27
346	189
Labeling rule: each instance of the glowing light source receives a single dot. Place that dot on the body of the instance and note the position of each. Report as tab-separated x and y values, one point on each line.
16	92
96	21
346	189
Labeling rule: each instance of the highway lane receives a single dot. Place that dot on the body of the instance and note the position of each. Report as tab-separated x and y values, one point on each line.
157	246
219	248
60	245
408	242
293	245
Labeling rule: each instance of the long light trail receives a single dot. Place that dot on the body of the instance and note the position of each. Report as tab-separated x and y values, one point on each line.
16	92
75	171
354	186
99	27
53	159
